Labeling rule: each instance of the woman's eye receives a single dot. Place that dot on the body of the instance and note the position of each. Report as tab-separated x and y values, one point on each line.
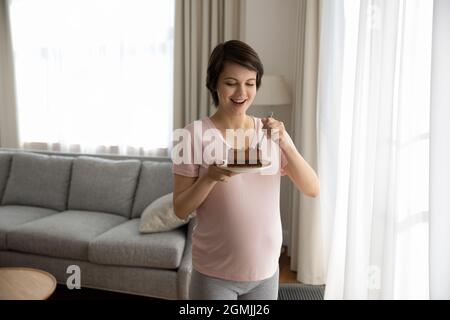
229	84
250	84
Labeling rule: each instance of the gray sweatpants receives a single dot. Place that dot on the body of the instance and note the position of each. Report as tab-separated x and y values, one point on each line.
204	287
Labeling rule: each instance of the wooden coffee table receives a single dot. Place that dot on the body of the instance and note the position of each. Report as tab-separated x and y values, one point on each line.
25	284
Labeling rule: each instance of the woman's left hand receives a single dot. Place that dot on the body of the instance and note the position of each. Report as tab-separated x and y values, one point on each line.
276	131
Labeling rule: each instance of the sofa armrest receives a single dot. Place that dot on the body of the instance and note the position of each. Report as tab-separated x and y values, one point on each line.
185	269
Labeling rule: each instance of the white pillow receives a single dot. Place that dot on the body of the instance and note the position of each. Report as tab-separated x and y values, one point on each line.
159	216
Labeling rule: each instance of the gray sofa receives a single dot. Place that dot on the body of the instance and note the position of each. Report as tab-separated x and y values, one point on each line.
57	211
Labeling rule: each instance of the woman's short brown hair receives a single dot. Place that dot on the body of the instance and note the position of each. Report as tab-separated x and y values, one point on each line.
232	51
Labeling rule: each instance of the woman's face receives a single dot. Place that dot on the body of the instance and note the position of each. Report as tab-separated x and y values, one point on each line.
236	88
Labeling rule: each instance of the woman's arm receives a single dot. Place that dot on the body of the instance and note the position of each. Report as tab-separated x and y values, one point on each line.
189	193
298	170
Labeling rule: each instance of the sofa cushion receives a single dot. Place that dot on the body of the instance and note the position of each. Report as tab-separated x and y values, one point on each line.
155	180
38	180
13	216
124	245
103	185
65	235
159	216
5	165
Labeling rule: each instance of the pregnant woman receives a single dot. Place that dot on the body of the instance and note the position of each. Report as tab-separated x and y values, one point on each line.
237	241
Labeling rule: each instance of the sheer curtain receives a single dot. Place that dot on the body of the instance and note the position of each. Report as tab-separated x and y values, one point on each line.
440	154
375	208
94	76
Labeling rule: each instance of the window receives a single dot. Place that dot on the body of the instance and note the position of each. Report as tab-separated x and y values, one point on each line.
94	76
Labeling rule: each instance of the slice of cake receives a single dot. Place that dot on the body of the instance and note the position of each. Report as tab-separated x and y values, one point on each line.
244	158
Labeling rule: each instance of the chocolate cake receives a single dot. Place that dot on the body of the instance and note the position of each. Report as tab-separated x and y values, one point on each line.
245	158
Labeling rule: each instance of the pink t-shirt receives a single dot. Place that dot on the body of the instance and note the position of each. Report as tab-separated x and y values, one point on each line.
238	234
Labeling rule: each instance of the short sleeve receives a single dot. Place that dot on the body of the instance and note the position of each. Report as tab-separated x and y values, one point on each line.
186	168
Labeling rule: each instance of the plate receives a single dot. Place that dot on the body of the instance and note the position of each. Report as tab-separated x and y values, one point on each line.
265	165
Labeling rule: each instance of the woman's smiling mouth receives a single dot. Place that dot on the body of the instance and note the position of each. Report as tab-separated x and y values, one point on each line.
238	102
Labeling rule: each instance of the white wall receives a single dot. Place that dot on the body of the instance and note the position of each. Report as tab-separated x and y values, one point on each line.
269	27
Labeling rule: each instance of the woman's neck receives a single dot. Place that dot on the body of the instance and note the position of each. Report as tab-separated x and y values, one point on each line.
225	121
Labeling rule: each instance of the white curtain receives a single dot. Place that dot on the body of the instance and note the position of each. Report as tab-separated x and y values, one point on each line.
373	128
94	76
9	134
440	154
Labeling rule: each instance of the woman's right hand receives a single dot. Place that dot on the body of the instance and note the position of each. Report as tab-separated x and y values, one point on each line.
218	174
